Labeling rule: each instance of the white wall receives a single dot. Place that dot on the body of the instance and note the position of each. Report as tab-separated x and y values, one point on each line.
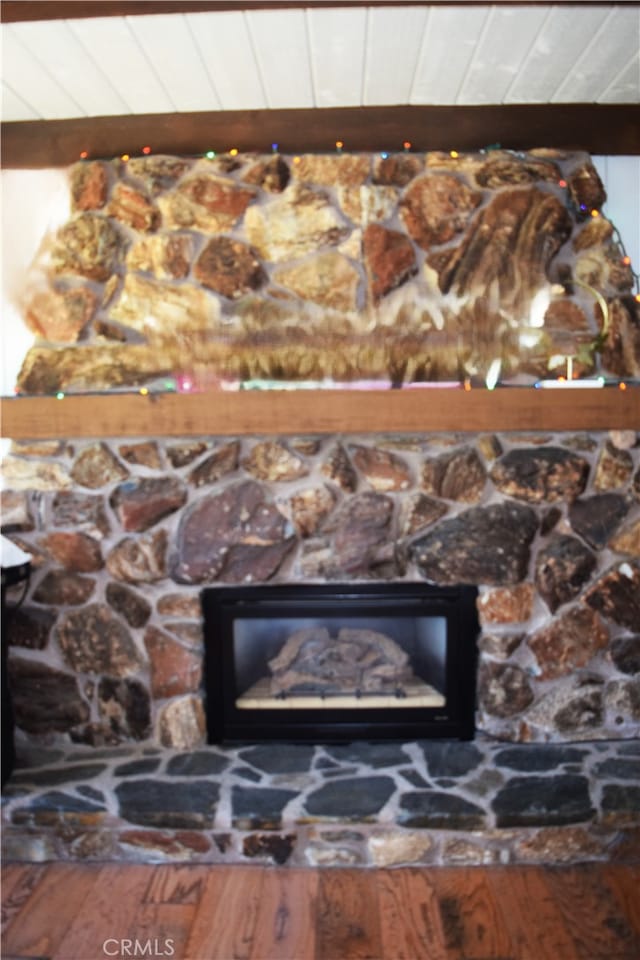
35	202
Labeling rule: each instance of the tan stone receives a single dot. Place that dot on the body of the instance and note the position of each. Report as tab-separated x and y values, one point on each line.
328	279
15	510
270	460
391	849
139	559
507	604
182	723
208	203
145	453
368	204
155	309
295	223
332	170
179	605
34	474
89	185
564	844
90	246
456	851
166	255
96	465
383	470
614	468
627	540
310	507
60	315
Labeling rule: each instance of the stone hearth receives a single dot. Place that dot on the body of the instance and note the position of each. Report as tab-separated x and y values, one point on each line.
428	802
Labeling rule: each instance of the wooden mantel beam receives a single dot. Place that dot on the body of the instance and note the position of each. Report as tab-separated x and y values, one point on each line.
283	412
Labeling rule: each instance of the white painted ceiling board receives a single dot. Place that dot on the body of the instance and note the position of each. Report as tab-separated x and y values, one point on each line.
226	50
55	45
32	81
503	48
279	39
448	45
393	48
625	87
12	107
612	45
560	42
124	63
337	45
167	40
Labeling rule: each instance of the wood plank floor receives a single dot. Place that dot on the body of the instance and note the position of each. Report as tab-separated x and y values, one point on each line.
68	911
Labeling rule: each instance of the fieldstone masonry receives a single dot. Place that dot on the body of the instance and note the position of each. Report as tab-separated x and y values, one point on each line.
107	647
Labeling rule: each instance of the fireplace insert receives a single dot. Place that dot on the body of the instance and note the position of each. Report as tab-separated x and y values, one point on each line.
327	662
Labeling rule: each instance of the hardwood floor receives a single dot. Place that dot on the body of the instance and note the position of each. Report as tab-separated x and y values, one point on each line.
69	911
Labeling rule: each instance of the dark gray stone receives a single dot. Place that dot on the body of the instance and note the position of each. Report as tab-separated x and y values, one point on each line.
259	808
158	803
625	653
45	699
125	706
203	763
136	767
620	798
616	768
597	518
488	545
562	569
585	711
543	801
538	756
450	758
355	798
30	628
47	806
370	754
541	474
414	778
91	793
246	773
57	775
437	810
292	758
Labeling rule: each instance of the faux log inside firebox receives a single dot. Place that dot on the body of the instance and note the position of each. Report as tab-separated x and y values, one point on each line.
320	662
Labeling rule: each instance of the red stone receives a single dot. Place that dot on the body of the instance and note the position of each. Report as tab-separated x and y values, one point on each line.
389	259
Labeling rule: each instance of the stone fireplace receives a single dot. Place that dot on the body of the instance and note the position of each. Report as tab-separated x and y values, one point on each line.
107	649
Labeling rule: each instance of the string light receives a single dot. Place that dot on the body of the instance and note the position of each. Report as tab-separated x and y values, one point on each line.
124	157
454	154
339	145
60	395
562	183
144	391
146	151
595	213
407	146
274	147
385	156
84	154
210	154
233	152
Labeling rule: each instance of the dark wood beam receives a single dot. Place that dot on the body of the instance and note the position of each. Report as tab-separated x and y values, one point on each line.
597	128
13	11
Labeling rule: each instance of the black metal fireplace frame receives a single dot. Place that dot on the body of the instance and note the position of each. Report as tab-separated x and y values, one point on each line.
227	723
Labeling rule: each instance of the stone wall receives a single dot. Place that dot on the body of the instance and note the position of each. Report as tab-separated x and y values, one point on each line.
107	646
402	267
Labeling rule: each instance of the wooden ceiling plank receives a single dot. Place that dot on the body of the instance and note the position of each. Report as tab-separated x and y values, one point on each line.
57	45
393	50
279	39
337	47
167	40
597	128
225	49
442	66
